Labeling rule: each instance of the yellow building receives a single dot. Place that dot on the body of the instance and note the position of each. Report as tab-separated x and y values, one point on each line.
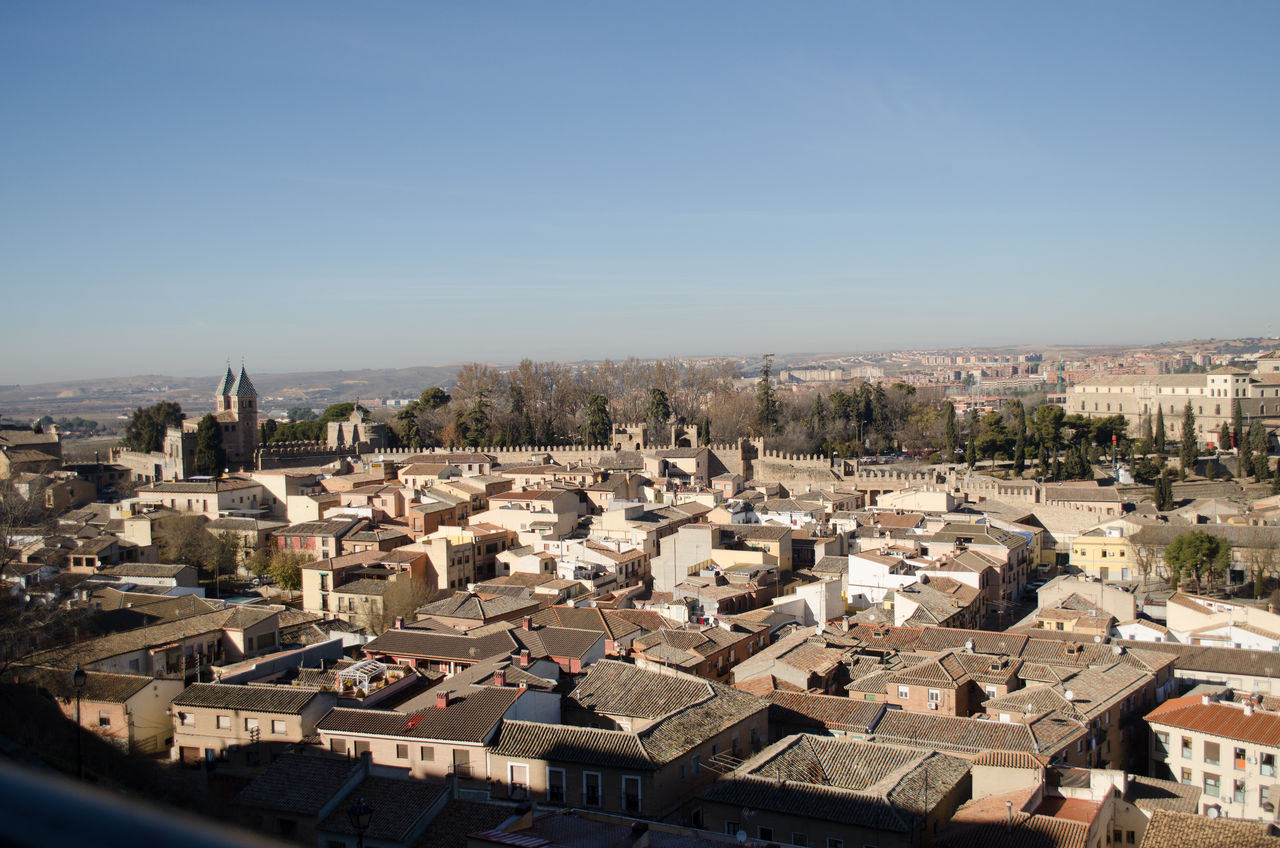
1104	553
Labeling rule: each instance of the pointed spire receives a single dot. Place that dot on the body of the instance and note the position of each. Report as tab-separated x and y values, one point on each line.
243	387
224	388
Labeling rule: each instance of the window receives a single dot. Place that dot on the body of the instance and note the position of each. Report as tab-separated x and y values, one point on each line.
832	842
338	746
934	696
362	747
991	692
402	752
555	785
904	691
104	718
1237	792
1238	757
187	719
1211	753
1211	784
1264	797
224	722
1268	765
731	828
518	778
1162	745
1186	747
427	754
630	794
697	764
591	788
1186	776
765	833
1128	836
278	727
799	839
251	724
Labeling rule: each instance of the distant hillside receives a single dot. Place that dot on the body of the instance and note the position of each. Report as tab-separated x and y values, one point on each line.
104	399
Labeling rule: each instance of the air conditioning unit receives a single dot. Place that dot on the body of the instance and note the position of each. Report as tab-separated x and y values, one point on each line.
933	705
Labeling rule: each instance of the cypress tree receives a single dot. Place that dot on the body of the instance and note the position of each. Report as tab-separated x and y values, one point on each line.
1224	437
1237	425
766	400
1161	438
971	448
1020	440
1244	459
1147	439
950	438
1187	451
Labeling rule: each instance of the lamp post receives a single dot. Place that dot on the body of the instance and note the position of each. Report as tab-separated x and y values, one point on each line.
360	814
78	678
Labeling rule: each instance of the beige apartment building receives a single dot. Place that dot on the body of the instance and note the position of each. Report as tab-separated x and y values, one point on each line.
210	719
1226	748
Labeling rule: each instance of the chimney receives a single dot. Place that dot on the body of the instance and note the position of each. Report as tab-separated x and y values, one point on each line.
527	623
500	677
400	622
1008	816
442	700
524	658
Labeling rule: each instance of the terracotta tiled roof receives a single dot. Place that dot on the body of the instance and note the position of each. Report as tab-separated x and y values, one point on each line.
823	711
104	647
1011	759
561	743
1045	735
298	783
99	685
285	700
586	618
875	786
987	823
644	619
401	805
616	688
1227	721
424	644
1151	793
1169	829
557	641
466	719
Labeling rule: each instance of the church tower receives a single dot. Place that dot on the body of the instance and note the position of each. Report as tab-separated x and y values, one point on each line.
222	396
243	400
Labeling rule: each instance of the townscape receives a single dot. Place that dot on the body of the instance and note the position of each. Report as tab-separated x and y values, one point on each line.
986	600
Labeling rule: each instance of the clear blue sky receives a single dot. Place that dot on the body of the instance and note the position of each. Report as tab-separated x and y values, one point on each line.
326	185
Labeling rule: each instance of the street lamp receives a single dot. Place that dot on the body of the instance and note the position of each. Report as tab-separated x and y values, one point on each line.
360	814
78	678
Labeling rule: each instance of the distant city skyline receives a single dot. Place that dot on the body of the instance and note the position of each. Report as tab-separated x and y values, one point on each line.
324	186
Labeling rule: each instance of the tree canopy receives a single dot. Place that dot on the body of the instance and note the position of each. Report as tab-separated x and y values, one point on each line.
210	456
147	425
1194	555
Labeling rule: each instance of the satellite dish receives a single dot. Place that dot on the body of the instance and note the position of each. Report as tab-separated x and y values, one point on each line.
741	836
1097	639
1213	812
